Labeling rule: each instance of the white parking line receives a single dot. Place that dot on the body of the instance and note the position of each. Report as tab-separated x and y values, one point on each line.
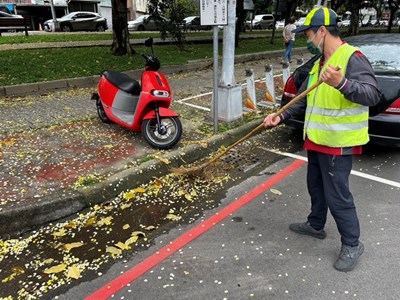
183	101
356	173
193	97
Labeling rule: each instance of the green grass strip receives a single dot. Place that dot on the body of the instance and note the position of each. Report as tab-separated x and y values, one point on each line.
27	66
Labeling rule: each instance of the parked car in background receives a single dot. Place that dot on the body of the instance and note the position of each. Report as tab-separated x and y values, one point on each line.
280	24
144	23
4	8
79	21
346	23
369	21
7	15
382	51
300	21
193	23
8	22
265	21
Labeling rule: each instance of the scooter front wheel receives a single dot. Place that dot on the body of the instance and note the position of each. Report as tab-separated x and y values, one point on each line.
165	136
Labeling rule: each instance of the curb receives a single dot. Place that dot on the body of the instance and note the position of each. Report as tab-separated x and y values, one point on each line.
24	216
85	82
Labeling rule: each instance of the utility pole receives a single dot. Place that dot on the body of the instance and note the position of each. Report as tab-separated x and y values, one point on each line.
56	26
229	94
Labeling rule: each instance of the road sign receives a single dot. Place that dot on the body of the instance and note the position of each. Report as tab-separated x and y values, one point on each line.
213	12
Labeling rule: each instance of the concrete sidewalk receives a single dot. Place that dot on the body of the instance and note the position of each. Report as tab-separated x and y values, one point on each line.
57	157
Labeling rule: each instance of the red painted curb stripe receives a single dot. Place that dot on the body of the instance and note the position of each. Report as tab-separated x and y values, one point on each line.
136	271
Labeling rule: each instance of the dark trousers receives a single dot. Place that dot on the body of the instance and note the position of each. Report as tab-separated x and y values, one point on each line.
328	186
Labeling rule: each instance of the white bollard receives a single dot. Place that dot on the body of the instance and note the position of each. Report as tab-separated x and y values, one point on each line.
270	88
285	72
250	99
300	62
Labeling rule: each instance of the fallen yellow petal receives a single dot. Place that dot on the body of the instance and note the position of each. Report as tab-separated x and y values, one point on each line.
113	250
56	269
74	272
70	246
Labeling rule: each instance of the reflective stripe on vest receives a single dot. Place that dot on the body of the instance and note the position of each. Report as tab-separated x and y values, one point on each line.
332	120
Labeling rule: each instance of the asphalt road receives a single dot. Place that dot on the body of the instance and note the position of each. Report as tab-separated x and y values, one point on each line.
243	249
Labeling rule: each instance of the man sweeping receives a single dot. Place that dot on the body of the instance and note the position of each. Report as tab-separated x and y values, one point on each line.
335	128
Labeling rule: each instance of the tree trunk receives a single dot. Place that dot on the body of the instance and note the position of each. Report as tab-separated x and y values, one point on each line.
337	4
120	45
241	16
393	8
355	6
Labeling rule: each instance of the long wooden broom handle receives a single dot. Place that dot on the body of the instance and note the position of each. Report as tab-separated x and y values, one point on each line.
300	96
297	99
261	126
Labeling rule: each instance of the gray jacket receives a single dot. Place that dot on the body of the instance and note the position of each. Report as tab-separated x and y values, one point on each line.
359	85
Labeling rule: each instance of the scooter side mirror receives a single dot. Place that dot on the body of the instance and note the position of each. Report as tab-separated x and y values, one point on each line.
149	43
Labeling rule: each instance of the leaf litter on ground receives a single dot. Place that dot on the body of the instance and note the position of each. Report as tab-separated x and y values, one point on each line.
66	251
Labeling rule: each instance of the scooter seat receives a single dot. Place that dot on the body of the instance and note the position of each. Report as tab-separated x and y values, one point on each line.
123	82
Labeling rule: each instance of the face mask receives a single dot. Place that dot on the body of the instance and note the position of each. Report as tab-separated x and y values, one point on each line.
312	48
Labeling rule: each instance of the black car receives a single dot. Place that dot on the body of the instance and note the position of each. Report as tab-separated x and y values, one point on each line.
382	51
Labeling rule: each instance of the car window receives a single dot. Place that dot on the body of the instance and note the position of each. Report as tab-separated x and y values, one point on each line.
69	16
141	18
86	16
4	9
382	56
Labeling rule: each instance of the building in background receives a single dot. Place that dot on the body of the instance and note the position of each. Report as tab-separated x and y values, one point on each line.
39	11
136	8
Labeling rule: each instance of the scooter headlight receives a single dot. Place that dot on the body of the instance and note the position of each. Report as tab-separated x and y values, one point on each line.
160	93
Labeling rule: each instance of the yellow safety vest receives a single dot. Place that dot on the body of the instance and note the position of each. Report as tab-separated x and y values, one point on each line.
332	120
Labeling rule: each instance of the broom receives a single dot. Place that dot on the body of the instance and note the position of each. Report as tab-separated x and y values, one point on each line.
198	170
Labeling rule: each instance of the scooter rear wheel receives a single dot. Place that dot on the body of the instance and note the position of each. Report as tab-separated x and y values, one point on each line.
101	113
165	137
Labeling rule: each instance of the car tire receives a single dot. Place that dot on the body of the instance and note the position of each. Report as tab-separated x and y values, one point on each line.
140	28
65	28
100	28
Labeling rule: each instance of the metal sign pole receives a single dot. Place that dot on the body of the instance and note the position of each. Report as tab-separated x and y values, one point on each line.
214	13
215	89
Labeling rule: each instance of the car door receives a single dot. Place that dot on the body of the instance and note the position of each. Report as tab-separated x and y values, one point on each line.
84	21
196	23
266	22
150	24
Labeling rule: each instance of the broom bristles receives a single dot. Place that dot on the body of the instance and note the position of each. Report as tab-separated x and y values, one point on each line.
187	171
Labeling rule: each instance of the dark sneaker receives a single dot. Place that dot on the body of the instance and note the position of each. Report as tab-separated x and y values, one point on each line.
305	228
348	257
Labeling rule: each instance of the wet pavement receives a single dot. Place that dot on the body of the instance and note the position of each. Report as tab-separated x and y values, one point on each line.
125	225
243	249
55	141
244	252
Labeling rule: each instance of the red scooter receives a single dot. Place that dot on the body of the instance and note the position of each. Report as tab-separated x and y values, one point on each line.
122	100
